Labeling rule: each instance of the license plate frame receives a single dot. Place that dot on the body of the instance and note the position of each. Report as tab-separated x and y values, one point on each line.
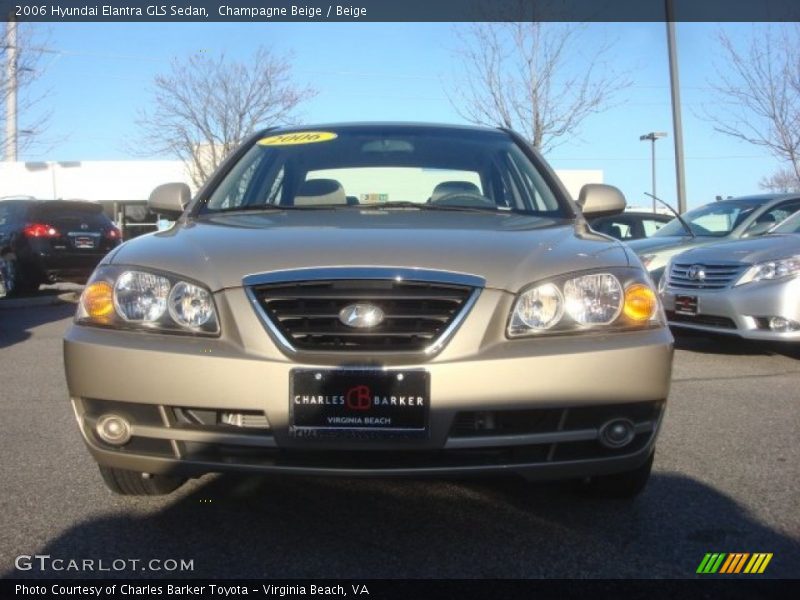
371	404
83	242
687	305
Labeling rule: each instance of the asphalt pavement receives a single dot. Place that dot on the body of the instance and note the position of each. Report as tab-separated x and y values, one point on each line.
726	479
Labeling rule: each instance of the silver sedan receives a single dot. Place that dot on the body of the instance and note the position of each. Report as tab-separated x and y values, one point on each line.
749	288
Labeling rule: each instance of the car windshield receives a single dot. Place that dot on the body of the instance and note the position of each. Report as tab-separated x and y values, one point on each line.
395	168
712	220
790	225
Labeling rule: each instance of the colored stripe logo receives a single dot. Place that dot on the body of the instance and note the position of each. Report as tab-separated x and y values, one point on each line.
734	563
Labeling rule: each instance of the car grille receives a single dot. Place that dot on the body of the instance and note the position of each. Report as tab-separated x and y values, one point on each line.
705	320
717	276
306	313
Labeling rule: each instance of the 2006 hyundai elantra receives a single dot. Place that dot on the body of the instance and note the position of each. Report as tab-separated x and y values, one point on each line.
373	299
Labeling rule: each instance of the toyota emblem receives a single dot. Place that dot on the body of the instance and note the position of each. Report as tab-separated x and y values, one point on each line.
696	273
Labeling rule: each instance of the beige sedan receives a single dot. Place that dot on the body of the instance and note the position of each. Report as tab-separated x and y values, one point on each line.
373	300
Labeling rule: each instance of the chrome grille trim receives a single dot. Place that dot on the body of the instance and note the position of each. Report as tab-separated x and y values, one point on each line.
273	322
718	276
396	273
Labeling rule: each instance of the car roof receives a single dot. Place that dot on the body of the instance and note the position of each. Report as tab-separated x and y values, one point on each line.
41	202
756	199
38	204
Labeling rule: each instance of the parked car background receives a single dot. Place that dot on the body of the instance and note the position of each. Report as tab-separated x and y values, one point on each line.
3	285
732	219
750	288
44	241
631	225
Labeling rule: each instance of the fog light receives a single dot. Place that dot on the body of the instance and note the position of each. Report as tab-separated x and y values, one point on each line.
113	429
783	325
617	433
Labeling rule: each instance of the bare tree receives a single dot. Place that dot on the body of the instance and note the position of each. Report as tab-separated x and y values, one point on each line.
758	100
527	76
30	66
206	105
784	181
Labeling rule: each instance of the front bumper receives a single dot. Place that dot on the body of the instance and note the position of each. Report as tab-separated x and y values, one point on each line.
742	311
564	387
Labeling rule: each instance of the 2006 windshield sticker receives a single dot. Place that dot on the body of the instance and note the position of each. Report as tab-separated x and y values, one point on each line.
300	137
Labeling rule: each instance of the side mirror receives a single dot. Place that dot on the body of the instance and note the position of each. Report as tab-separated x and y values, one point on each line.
599	200
169	199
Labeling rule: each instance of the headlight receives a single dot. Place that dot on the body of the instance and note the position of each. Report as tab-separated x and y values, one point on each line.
538	309
134	298
140	296
622	299
593	299
771	270
190	305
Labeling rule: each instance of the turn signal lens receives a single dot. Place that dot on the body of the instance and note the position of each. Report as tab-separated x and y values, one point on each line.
98	301
640	302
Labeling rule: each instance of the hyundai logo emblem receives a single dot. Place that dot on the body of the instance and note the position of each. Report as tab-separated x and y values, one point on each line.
361	315
696	273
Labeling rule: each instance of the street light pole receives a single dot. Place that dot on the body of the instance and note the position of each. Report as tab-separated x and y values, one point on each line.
11	95
652	137
675	90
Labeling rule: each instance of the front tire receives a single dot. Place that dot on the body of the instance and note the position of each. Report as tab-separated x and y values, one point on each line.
628	484
134	483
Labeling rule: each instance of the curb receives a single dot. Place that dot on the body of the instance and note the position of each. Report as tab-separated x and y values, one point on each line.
35	301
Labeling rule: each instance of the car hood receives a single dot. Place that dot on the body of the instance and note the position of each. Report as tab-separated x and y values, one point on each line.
509	251
768	247
654	245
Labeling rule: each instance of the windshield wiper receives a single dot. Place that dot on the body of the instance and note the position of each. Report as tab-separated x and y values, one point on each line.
264	208
674	212
377	206
422	206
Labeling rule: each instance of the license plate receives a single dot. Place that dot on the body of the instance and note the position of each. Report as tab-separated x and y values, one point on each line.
359	403
84	242
686	305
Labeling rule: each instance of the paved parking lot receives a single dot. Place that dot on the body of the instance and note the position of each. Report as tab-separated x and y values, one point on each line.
726	479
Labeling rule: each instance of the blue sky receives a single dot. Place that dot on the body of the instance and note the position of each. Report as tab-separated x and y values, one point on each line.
100	75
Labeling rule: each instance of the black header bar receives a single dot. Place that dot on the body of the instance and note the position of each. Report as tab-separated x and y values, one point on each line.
385	589
264	11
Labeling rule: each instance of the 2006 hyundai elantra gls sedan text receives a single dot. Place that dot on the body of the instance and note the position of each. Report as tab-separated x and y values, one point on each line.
377	300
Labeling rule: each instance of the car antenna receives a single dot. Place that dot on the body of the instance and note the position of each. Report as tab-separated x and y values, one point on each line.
674	212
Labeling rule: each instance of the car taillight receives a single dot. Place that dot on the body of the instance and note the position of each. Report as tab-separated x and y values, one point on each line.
40	230
113	233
